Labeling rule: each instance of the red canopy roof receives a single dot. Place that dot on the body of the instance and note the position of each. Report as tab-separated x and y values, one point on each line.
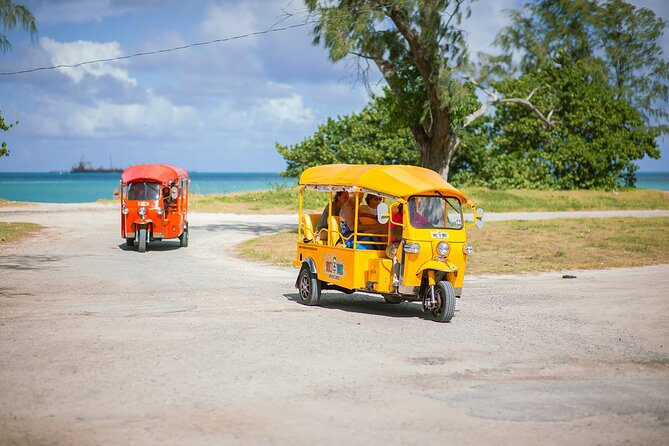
153	172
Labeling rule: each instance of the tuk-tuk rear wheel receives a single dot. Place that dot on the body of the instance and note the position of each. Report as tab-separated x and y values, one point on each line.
130	242
444	293
308	287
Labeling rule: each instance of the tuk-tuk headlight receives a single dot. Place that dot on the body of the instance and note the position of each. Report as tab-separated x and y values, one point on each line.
159	211
412	248
125	211
141	212
467	249
443	248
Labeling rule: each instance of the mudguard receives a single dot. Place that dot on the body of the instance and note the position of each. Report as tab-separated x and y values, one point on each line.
312	268
436	265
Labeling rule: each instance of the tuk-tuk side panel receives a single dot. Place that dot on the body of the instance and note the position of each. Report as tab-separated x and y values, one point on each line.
381	274
341	266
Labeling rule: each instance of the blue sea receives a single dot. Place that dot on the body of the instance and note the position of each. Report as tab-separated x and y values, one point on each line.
65	187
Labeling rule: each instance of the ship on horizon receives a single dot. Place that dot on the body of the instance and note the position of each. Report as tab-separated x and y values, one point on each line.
85	166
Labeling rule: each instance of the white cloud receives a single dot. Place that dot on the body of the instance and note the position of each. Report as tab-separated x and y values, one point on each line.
71	53
157	118
287	109
226	20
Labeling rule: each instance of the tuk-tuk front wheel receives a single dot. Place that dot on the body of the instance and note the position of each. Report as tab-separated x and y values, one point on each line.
308	287
444	294
141	243
183	238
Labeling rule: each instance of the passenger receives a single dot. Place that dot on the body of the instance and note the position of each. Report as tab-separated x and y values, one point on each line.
395	239
340	198
369	208
417	220
395	231
347	220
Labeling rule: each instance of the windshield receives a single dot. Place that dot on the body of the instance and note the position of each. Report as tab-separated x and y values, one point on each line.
435	212
143	191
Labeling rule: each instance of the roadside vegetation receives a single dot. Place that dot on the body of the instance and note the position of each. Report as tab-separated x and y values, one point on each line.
11	232
511	247
283	200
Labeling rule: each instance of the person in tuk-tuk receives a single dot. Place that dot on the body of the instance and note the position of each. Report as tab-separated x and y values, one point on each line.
340	198
347	221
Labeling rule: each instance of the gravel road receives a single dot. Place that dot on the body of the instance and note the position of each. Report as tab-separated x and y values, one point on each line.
190	346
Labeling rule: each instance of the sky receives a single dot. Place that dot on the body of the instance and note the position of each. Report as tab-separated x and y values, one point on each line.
212	108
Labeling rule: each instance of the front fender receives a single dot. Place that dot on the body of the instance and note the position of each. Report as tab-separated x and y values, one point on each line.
142	222
436	265
309	263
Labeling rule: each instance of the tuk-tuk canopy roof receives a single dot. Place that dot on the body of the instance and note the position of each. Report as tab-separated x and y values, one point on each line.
395	180
162	173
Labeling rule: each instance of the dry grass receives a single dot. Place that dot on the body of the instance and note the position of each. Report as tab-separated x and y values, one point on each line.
275	249
524	200
568	244
12	232
530	246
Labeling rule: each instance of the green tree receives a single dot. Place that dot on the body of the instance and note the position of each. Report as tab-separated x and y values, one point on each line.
11	16
419	47
612	40
368	137
593	145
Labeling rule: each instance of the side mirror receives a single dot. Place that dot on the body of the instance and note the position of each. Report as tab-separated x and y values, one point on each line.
116	193
382	213
174	192
479	218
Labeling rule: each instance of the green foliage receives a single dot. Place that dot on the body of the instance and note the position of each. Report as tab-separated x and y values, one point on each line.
368	137
593	145
4	151
13	15
613	41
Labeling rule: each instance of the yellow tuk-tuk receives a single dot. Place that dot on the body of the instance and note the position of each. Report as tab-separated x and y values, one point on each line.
417	251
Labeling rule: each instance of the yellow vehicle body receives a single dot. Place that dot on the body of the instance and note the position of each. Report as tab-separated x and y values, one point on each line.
421	269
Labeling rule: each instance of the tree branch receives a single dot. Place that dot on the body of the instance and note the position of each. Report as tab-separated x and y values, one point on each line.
495	100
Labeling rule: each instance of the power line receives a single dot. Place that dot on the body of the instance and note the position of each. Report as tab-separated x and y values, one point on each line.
166	50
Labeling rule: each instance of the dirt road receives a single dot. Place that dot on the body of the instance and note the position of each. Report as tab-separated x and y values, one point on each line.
101	345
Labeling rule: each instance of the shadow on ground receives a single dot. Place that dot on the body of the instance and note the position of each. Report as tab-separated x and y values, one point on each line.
365	304
28	262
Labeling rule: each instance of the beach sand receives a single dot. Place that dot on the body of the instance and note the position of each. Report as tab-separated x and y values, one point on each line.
104	345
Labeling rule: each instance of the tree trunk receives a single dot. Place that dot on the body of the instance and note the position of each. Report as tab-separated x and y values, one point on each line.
436	145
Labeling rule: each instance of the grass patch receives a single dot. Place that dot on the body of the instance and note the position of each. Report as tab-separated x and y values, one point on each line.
11	232
284	200
280	200
521	200
509	247
276	249
568	244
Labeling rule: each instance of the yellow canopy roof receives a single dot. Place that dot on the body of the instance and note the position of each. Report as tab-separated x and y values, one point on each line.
395	180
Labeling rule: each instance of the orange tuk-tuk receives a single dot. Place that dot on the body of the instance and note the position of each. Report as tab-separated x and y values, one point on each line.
154	204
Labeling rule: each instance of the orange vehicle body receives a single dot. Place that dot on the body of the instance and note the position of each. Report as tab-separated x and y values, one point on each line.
154	204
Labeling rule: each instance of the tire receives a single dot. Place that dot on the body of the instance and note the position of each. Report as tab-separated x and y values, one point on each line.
183	238
392	298
141	246
308	287
445	295
130	242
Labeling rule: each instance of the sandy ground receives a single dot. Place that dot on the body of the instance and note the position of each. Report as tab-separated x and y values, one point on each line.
190	346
